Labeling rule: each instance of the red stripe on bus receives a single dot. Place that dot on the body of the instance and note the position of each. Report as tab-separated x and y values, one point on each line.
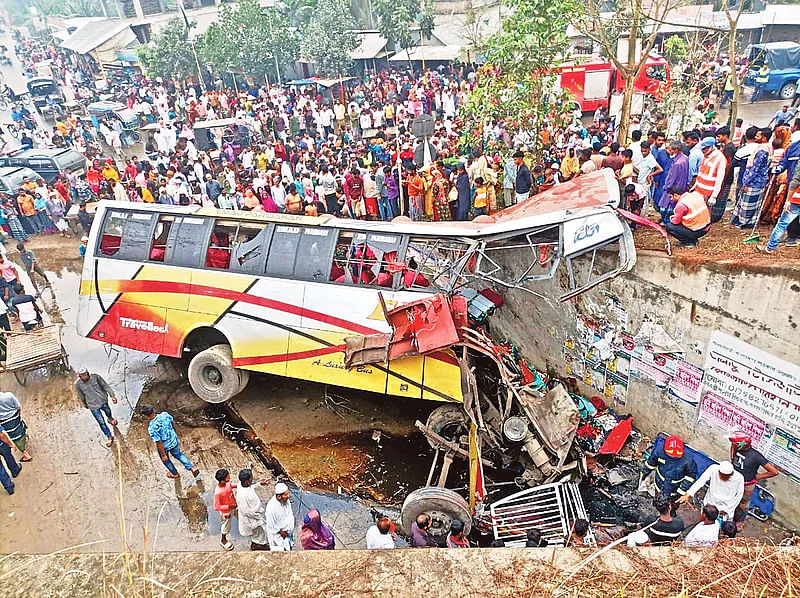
261	359
159	286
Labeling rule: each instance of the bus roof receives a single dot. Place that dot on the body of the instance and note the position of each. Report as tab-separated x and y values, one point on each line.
590	193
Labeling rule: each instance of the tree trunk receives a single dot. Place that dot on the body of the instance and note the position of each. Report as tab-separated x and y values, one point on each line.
734	75
629	75
625	113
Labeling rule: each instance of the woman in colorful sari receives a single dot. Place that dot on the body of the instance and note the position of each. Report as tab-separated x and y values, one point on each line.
441	205
315	535
775	193
12	422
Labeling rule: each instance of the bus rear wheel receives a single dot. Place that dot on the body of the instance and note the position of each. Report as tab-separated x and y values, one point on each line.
450	422
213	377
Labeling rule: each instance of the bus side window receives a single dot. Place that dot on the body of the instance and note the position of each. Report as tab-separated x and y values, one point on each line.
126	235
314	254
218	255
339	269
158	247
111	237
371	259
186	235
249	248
283	250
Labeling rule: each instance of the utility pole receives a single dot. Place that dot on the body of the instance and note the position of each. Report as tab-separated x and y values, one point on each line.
273	4
201	80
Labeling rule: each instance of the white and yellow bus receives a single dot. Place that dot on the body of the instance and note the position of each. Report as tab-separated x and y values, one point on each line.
249	291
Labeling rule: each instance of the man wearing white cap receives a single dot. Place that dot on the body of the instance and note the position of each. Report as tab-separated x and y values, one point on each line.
725	490
280	519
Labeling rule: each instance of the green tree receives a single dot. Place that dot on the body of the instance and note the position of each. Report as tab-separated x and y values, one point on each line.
19	10
298	12
675	48
329	38
637	21
169	53
249	39
396	20
516	85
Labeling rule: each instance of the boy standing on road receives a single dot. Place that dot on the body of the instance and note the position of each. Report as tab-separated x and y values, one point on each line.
225	503
163	434
94	392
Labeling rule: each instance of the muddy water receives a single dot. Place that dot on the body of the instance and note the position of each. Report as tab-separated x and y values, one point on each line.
364	463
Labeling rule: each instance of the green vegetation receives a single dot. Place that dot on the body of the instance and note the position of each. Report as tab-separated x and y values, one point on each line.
516	84
328	39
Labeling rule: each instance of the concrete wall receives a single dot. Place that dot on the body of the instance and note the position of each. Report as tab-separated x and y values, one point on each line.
759	305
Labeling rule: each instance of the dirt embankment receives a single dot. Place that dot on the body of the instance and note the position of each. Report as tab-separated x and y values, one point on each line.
333	438
722	244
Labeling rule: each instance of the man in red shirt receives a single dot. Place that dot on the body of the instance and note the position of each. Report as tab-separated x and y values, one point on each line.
62	187
354	190
416	188
225	504
130	171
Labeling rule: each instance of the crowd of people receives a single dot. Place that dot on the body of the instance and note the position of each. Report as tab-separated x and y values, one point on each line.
292	151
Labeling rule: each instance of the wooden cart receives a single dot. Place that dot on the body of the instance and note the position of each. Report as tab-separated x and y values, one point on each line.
35	349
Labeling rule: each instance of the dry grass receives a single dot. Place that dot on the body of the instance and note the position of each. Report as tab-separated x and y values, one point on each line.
747	569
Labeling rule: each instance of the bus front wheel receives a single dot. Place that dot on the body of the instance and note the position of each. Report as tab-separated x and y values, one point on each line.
441	505
213	377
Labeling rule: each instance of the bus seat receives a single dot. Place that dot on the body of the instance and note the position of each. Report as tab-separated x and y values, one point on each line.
218	258
337	272
109	244
157	253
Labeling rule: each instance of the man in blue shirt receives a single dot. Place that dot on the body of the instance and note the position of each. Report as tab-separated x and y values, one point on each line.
523	182
782	116
659	152
692	141
166	440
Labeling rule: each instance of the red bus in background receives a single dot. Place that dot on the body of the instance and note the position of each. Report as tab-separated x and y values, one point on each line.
592	83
